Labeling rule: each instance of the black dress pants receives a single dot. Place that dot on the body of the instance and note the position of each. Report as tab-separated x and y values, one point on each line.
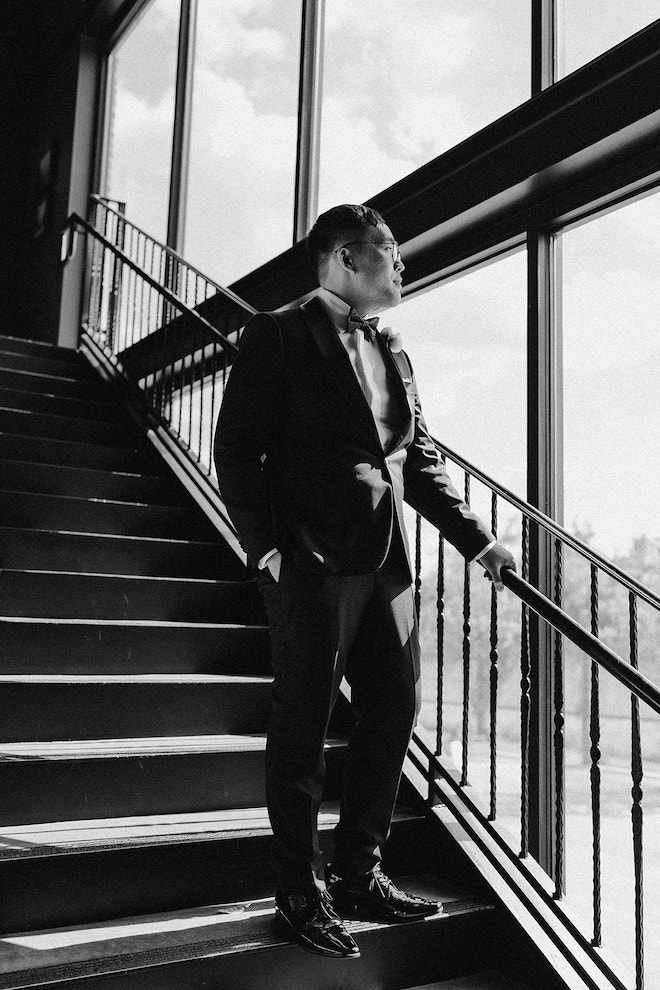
325	626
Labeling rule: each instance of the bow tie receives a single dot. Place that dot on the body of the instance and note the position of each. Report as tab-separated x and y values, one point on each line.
357	322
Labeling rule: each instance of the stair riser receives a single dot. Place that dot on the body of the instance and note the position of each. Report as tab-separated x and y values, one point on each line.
26	550
32	510
71	790
61	405
49	385
66	428
68	367
50	648
158	878
85	455
89	596
69	710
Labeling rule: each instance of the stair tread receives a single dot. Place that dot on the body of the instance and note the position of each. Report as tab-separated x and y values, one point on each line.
20	462
128	623
56	442
485	980
113	536
104	833
164	678
9	392
30	345
137	746
164	579
56	497
148	940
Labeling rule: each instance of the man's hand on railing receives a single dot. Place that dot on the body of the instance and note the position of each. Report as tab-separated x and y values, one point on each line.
497	557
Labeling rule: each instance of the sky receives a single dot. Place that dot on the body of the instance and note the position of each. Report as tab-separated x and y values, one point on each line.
404	82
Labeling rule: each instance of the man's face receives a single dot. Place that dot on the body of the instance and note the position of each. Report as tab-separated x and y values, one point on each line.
377	272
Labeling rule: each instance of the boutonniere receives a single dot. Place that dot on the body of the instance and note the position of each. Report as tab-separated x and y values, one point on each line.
391	338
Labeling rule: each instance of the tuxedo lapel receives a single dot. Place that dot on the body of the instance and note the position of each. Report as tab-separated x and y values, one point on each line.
336	360
398	374
338	365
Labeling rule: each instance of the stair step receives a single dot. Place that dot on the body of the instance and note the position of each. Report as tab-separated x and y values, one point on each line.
30	549
57	594
75	406
61	479
62	384
136	457
56	427
108	866
62	707
106	778
74	647
27	510
55	364
40	348
236	944
485	980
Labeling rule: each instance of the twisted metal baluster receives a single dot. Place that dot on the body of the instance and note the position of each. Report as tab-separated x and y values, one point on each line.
440	625
525	700
201	385
214	372
418	565
467	629
559	731
494	676
636	811
595	754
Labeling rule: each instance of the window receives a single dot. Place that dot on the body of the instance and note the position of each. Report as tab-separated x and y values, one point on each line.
611	300
587	28
141	117
405	82
244	131
467	343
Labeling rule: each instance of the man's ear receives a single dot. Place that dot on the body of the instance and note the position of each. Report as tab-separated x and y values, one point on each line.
345	259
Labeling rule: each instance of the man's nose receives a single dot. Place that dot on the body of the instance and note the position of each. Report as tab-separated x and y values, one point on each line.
399	265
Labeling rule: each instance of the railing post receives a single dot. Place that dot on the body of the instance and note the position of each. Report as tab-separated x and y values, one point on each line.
545	491
309	118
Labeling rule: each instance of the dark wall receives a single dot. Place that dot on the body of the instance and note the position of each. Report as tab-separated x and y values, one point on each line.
39	80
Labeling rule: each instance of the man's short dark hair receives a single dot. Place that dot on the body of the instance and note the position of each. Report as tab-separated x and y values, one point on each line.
339	225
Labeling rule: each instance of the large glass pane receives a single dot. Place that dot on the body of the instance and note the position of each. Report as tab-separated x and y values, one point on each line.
404	82
467	343
141	117
244	128
587	28
611	300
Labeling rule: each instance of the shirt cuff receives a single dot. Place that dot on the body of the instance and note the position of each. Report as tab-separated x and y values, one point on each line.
481	553
266	557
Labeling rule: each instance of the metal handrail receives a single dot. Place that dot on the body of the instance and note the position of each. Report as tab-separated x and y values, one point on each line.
637	683
75	221
101	201
631	583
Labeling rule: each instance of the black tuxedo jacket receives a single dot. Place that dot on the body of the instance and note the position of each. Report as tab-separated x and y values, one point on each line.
299	460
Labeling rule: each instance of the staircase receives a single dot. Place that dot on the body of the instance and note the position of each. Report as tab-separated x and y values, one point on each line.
135	677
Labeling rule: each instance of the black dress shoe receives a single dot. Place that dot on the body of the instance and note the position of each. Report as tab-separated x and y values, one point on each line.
374	896
314	925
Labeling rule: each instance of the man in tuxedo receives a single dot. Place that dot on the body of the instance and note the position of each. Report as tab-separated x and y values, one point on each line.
319	440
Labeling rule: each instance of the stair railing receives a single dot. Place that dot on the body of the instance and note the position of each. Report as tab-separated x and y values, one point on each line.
173	333
592	651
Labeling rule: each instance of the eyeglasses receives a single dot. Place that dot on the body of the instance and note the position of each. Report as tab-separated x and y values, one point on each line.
392	245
